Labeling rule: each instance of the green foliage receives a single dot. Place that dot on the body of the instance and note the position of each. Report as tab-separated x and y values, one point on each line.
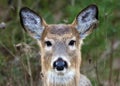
97	50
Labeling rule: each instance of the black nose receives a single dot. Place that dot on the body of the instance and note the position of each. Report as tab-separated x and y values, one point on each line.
60	64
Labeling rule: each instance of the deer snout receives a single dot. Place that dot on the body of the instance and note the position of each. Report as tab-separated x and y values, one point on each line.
60	64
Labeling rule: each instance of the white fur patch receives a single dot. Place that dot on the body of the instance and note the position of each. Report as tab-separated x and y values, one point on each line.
61	79
48	48
72	47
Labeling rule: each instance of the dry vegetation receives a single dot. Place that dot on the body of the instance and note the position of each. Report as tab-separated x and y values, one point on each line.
19	54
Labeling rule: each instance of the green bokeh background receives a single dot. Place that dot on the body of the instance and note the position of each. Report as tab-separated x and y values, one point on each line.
100	52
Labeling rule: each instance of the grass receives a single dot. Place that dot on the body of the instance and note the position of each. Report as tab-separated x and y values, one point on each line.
99	52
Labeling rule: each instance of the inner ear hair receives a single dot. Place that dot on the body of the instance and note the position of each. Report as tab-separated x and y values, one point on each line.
92	6
25	10
86	20
32	22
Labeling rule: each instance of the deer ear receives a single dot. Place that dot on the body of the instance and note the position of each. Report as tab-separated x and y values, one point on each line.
31	22
86	20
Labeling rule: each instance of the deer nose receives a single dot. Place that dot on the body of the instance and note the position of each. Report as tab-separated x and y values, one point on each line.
60	64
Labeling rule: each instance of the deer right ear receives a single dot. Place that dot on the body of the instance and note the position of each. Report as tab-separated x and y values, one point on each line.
32	22
86	21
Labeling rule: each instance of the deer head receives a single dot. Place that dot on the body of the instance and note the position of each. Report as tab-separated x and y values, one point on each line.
60	44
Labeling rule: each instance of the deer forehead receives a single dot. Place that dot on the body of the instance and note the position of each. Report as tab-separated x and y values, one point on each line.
60	31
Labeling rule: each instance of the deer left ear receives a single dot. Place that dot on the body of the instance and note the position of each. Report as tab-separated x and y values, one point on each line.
32	22
86	20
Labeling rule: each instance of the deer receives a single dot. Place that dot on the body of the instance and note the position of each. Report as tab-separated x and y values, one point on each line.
60	45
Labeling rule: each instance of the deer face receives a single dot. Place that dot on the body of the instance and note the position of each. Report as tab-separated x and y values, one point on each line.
60	43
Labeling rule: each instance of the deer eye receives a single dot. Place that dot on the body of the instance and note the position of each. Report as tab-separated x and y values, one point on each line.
48	43
72	43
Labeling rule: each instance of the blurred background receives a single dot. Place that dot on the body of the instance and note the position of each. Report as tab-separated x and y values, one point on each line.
19	53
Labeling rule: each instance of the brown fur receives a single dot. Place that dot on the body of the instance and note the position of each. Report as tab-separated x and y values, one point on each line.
61	33
59	37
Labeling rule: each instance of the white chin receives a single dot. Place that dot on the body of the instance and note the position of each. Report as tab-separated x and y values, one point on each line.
61	72
60	77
